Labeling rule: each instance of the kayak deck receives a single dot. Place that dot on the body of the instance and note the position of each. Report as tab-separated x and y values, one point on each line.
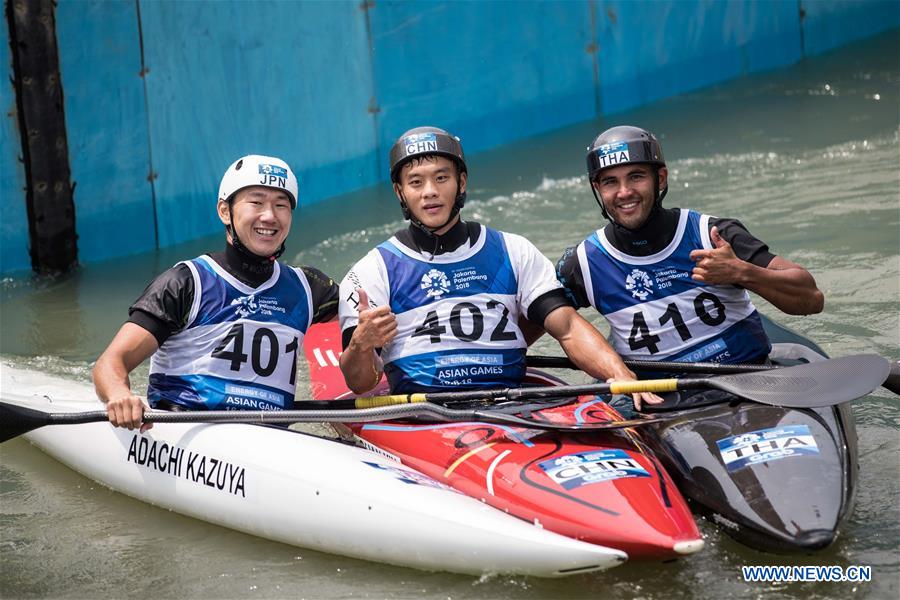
298	489
776	479
604	488
779	480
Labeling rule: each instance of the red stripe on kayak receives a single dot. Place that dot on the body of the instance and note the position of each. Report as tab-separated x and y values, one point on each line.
322	348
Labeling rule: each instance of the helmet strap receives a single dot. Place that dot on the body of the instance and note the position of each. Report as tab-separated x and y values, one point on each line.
657	200
600	204
657	194
432	231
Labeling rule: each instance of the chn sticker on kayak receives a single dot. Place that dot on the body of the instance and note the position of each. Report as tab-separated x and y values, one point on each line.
575	470
766	445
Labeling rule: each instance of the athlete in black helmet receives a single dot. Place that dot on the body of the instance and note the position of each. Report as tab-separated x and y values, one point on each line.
439	305
671	282
422	142
631	145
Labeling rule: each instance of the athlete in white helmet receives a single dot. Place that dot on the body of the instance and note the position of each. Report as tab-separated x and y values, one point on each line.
225	329
672	282
441	305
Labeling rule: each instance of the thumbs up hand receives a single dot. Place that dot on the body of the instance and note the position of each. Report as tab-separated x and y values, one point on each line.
717	239
718	266
377	325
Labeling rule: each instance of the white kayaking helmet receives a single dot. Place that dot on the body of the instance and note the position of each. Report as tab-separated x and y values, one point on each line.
255	169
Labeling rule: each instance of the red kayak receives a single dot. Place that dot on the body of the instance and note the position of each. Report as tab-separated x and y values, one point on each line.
605	488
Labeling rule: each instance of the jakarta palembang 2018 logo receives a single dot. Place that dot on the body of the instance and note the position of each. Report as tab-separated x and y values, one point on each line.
639	284
435	283
246	305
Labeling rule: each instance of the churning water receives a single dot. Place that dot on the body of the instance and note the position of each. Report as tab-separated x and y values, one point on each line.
808	158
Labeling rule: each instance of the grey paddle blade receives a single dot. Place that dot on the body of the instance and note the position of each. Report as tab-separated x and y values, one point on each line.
823	383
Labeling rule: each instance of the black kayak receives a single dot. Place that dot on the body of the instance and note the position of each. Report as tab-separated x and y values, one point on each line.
776	479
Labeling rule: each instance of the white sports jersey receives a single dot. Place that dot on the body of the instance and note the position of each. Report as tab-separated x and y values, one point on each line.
239	348
655	309
457	313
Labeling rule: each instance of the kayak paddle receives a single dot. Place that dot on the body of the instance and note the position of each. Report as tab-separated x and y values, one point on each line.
16	420
824	383
892	383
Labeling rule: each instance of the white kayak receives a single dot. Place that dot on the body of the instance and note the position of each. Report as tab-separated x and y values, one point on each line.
296	488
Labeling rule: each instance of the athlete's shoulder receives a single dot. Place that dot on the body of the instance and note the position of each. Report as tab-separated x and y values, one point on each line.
164	306
324	292
175	277
727	224
313	273
315	278
514	239
569	262
374	257
366	272
745	245
398	246
571	277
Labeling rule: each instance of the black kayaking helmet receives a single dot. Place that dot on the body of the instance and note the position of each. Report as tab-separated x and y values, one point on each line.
621	145
428	141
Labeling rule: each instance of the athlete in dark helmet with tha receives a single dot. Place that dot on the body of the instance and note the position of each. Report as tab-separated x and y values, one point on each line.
673	282
439	304
224	329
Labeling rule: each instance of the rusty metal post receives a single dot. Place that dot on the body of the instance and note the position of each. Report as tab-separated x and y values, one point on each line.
42	123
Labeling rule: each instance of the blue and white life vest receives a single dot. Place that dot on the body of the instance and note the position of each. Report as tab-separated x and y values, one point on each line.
239	350
657	312
457	319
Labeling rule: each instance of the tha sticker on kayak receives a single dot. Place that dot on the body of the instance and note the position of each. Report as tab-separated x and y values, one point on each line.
766	445
575	470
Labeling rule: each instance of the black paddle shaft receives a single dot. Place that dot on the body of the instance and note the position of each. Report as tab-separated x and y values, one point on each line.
823	383
891	382
17	420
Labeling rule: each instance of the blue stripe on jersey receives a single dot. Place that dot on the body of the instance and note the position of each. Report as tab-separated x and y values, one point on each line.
668	277
415	283
239	350
634	289
205	392
284	302
438	371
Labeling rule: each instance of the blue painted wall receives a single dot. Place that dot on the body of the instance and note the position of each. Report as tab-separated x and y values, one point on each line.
14	222
454	65
832	23
162	96
106	122
692	45
233	78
